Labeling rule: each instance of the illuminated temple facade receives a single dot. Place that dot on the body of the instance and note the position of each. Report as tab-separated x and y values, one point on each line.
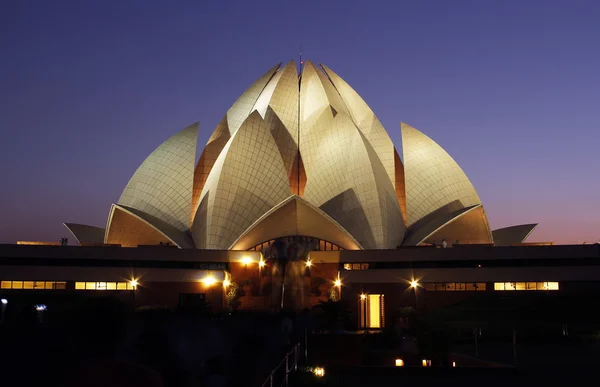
298	156
299	196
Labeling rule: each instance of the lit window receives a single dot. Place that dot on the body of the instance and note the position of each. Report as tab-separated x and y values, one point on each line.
510	286
498	285
100	285
347	266
39	285
130	286
49	285
372	311
356	266
364	266
17	284
121	285
111	286
440	287
5	285
521	286
451	286
429	286
79	285
460	286
90	286
531	285
27	284
547	286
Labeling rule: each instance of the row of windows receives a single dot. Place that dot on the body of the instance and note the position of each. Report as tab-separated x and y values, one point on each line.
356	266
526	286
104	286
455	286
38	285
481	286
312	244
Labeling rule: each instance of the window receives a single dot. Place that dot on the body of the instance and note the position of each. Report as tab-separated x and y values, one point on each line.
429	286
33	285
450	286
372	311
454	286
356	266
101	285
440	287
526	286
460	286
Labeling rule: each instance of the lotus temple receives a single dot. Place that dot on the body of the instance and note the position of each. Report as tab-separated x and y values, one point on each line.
298	196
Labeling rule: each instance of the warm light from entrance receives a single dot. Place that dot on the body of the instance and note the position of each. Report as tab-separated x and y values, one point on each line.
208	281
374	311
399	363
424	362
319	371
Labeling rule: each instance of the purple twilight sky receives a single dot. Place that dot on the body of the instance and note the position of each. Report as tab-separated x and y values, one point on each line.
511	89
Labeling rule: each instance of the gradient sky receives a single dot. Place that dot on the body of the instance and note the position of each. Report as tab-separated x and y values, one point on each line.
511	89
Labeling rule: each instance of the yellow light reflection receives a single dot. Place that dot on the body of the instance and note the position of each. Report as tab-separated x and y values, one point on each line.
319	371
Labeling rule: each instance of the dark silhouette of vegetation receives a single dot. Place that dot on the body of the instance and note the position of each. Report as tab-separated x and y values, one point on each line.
331	316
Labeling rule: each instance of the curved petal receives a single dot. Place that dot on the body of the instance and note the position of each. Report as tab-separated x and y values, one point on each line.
509	236
162	185
86	235
130	227
295	216
246	181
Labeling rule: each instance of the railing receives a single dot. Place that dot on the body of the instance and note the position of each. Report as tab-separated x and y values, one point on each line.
290	365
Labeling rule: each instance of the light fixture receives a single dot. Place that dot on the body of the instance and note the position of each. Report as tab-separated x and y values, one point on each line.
414	284
40	307
4	301
319	371
226	283
399	363
208	281
246	260
338	282
261	263
363	296
133	283
453	364
308	263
